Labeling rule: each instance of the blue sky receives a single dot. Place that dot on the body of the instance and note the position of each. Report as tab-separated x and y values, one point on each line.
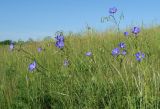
23	19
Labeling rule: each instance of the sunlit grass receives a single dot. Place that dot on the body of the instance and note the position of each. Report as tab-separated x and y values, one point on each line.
95	82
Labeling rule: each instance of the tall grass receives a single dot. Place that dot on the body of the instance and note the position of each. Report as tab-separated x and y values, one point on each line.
96	82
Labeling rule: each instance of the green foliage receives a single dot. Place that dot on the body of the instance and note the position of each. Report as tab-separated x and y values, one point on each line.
5	42
96	82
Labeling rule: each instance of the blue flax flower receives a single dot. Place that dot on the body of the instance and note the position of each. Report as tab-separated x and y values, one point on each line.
122	45
11	46
135	30
139	56
115	51
112	10
39	49
88	53
124	52
59	41
59	38
126	33
59	44
32	66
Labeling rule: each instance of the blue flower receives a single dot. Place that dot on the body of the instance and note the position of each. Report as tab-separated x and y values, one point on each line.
126	33
59	38
139	56
59	41
135	30
88	53
32	66
122	45
124	52
112	10
115	51
59	44
11	46
39	49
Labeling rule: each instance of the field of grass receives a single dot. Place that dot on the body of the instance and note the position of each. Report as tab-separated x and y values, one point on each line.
99	81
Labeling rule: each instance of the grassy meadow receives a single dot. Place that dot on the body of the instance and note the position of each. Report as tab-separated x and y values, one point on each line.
99	81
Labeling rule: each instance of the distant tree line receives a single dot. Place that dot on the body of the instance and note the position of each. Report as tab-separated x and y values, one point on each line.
5	42
8	42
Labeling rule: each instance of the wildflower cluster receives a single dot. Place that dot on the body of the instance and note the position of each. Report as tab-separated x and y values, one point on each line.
134	31
119	50
139	56
59	41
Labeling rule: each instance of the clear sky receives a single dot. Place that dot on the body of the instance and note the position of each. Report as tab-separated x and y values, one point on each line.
23	19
